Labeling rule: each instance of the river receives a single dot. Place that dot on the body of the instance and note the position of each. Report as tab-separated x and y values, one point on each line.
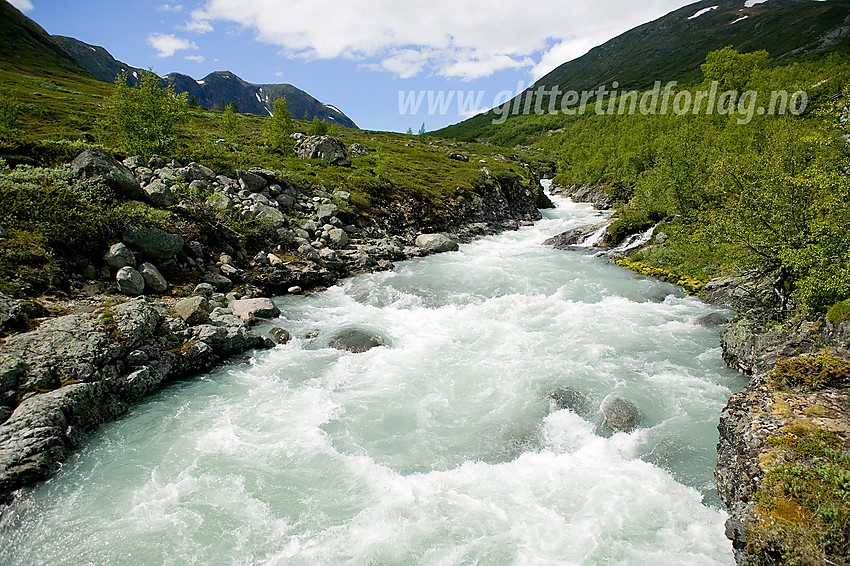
440	447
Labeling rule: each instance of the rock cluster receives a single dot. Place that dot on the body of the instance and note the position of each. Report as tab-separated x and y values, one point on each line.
77	371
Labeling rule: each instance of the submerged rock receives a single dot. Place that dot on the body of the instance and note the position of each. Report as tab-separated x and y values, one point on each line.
713	319
571	400
355	340
620	415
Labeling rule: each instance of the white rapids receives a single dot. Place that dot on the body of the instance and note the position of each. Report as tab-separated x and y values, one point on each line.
438	448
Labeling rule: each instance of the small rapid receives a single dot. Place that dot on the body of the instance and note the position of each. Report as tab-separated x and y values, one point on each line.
439	447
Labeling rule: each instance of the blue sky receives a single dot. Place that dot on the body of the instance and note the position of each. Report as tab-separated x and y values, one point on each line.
356	54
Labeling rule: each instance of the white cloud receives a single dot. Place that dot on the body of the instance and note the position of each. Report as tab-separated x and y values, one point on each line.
22	5
467	40
198	26
195	58
168	44
170	7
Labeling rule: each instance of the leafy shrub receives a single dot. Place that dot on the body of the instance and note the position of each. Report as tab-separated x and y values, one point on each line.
839	312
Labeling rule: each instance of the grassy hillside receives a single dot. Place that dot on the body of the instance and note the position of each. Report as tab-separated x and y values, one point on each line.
674	46
53	226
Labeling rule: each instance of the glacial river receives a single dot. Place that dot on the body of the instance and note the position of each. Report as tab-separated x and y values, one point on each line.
439	448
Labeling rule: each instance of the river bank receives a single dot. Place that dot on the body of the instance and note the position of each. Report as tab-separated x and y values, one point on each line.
74	372
785	439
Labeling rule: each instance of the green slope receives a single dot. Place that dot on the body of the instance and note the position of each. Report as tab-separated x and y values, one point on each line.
674	46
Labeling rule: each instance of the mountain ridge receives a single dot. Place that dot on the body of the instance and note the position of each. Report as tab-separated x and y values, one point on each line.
673	47
27	46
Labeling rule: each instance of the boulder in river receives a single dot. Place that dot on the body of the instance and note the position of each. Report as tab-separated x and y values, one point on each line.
619	415
436	243
713	319
355	340
569	399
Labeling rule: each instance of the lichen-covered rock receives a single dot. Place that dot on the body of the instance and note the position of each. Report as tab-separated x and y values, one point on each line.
327	148
94	369
130	282
153	242
194	310
97	164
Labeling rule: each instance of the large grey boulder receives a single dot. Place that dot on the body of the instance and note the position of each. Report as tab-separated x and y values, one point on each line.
619	415
153	242
436	243
325	212
153	278
251	181
194	310
119	256
327	148
159	195
130	282
338	237
254	308
97	164
355	340
197	172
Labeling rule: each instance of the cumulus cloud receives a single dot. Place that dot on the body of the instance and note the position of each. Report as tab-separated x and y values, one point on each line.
466	40
195	58
22	5
170	7
168	44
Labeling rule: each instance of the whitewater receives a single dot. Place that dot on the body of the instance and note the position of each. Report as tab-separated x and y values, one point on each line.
440	447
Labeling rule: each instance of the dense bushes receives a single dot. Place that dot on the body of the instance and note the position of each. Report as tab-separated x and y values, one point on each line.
770	194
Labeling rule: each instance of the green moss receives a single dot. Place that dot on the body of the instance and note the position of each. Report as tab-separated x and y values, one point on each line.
691	285
803	512
839	312
811	372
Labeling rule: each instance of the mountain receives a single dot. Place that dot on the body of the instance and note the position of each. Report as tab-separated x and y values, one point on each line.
210	91
673	46
225	87
97	60
24	44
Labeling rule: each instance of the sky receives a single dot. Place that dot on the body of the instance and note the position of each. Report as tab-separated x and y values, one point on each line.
369	58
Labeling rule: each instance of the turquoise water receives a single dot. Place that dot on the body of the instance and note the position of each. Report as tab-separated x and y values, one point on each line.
440	447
